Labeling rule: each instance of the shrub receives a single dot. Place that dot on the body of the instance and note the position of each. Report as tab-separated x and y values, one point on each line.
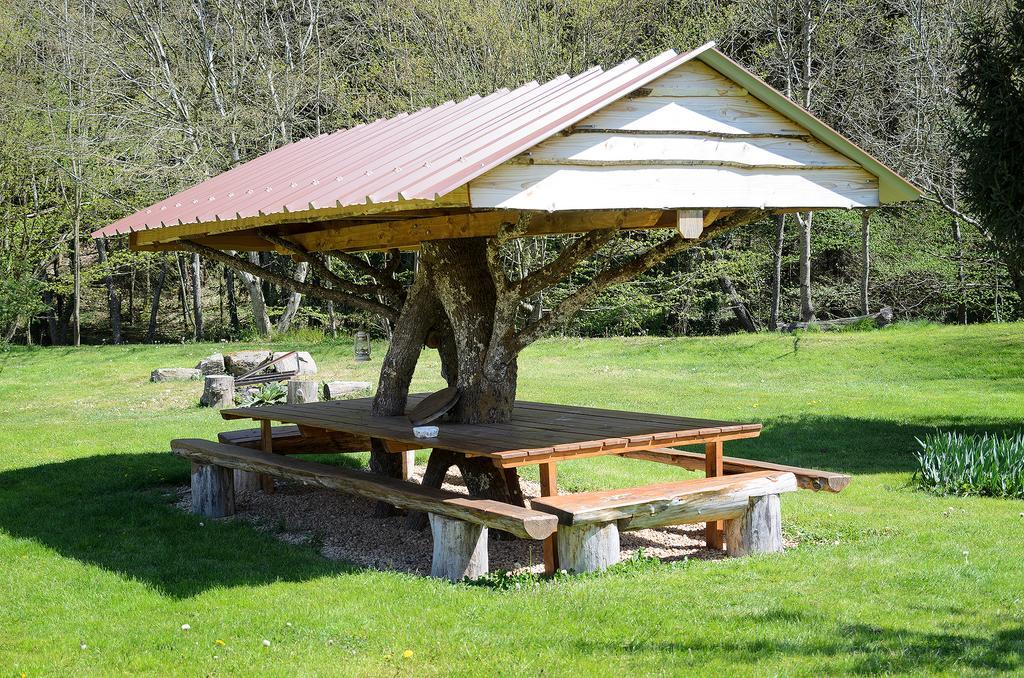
963	464
267	394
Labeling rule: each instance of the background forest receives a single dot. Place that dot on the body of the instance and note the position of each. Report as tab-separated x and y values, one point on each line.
109	105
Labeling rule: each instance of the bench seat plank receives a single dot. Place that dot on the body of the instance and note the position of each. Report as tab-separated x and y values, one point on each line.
686	501
522	522
806	478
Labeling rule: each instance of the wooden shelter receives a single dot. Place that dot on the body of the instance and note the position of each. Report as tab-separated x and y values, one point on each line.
676	142
688	142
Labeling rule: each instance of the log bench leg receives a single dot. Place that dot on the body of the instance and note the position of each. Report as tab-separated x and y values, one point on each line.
758	530
213	491
460	549
588	548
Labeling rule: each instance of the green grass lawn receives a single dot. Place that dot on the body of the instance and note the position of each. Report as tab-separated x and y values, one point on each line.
886	578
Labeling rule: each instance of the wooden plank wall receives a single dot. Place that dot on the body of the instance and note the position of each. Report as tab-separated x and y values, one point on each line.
692	139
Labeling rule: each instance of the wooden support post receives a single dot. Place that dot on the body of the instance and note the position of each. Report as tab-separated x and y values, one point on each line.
267	445
213	491
713	469
408	463
549	488
690	223
758	530
588	548
460	549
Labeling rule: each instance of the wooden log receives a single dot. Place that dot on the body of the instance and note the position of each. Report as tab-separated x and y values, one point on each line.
676	503
213	490
806	478
335	390
218	391
588	548
516	520
758	530
881	319
460	549
301	391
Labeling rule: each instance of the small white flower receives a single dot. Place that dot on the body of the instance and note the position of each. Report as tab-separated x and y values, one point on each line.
202	524
330	641
563	571
266	643
287	623
185	627
84	646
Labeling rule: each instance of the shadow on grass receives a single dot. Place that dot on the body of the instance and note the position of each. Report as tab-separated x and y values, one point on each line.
869	649
115	511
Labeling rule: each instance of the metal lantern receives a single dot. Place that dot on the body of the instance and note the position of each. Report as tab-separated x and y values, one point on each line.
362	346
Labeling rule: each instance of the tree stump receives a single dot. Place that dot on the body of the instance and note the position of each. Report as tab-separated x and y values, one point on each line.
588	548
301	391
460	549
759	530
218	391
213	491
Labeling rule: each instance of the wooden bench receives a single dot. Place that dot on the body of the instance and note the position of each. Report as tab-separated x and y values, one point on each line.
806	478
459	523
589	523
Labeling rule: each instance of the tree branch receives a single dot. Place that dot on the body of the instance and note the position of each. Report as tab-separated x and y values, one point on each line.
320	265
624	271
384	278
288	283
548	275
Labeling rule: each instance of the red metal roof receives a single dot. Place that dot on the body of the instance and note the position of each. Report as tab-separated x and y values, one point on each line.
424	155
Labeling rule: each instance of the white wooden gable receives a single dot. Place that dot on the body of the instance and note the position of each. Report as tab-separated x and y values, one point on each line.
690	139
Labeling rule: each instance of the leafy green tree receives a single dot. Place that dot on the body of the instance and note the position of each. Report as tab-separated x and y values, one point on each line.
990	139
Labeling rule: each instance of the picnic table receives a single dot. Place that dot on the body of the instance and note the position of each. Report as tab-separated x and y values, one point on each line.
538	433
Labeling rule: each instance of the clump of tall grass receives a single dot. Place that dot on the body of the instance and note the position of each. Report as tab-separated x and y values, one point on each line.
964	464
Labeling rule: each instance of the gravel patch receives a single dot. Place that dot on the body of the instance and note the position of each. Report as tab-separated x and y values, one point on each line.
344	528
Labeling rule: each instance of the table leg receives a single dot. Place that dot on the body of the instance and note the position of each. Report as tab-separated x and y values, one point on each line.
267	445
549	488
713	469
408	462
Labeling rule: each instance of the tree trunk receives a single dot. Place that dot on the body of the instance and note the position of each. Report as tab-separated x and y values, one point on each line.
259	307
739	308
806	304
332	320
865	259
197	296
183	293
76	314
155	307
780	235
294	299
454	296
961	288
113	300
229	281
486	371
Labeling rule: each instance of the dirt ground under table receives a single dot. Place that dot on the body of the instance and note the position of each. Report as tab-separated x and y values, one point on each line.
345	528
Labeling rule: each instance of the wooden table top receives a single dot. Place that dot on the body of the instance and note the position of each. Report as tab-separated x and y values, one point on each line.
538	432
